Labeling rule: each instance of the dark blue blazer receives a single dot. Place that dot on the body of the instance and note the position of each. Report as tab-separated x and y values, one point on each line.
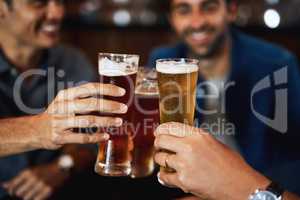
263	147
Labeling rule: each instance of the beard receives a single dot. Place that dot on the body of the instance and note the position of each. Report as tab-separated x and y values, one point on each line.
213	48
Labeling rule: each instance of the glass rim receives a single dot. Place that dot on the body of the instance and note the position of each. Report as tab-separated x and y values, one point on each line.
179	60
124	55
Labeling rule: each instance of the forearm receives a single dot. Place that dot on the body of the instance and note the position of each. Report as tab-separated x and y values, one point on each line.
18	135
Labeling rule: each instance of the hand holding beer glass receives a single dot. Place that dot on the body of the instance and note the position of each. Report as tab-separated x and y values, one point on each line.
114	155
177	82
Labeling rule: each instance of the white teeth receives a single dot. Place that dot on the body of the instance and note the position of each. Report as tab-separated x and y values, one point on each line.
50	28
199	36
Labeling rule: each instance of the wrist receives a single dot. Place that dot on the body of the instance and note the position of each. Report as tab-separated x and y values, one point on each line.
249	185
36	140
258	181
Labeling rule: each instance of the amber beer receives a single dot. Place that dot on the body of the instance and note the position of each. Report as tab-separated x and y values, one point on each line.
145	119
177	81
114	155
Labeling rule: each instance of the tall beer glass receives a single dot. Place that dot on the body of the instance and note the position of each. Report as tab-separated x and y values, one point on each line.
177	82
145	120
114	155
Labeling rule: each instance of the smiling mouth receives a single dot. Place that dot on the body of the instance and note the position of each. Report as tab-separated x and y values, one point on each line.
199	36
50	28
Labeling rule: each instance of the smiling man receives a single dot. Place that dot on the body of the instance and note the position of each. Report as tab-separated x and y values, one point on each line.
29	47
232	66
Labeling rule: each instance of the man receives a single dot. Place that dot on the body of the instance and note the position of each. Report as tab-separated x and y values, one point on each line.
207	168
240	78
33	68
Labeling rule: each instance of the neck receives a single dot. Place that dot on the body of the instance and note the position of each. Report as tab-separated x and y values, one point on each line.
22	56
218	65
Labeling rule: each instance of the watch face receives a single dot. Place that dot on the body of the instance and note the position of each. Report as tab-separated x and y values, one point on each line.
264	195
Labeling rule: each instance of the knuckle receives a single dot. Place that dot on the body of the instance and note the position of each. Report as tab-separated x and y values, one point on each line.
90	120
181	165
56	139
158	157
110	87
107	120
181	179
61	93
85	139
157	142
187	148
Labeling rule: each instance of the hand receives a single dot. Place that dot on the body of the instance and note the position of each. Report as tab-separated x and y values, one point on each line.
54	126
37	183
204	166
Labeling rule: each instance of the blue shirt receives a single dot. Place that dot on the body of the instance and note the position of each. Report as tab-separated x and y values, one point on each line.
256	63
68	66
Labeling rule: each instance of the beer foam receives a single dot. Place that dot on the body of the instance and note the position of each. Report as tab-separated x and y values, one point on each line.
111	68
172	67
147	90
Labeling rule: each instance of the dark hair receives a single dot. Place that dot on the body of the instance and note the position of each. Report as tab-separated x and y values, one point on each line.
166	4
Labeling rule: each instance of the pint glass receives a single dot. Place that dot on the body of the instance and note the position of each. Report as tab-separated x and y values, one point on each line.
177	82
114	155
145	120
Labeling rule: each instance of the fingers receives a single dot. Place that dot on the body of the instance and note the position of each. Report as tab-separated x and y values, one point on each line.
163	158
12	185
35	191
75	138
83	106
168	179
88	121
170	143
26	187
44	194
177	130
90	89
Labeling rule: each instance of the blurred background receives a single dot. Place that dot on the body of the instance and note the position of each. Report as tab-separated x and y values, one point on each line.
137	26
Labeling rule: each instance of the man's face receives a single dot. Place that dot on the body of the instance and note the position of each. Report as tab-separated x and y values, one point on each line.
202	24
35	22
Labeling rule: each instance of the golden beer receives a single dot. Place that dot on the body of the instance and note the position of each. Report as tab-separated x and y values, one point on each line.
177	82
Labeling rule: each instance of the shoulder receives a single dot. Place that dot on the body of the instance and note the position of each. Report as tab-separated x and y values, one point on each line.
262	52
167	51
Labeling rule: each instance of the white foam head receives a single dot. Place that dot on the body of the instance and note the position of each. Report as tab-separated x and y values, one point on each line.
108	67
176	67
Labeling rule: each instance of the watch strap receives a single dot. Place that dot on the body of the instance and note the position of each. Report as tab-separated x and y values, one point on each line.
275	189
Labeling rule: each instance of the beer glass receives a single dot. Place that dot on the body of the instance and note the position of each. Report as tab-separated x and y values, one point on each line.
114	155
177	82
145	120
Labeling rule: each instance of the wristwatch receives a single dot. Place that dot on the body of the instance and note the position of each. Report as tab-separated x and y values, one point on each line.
273	192
66	162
